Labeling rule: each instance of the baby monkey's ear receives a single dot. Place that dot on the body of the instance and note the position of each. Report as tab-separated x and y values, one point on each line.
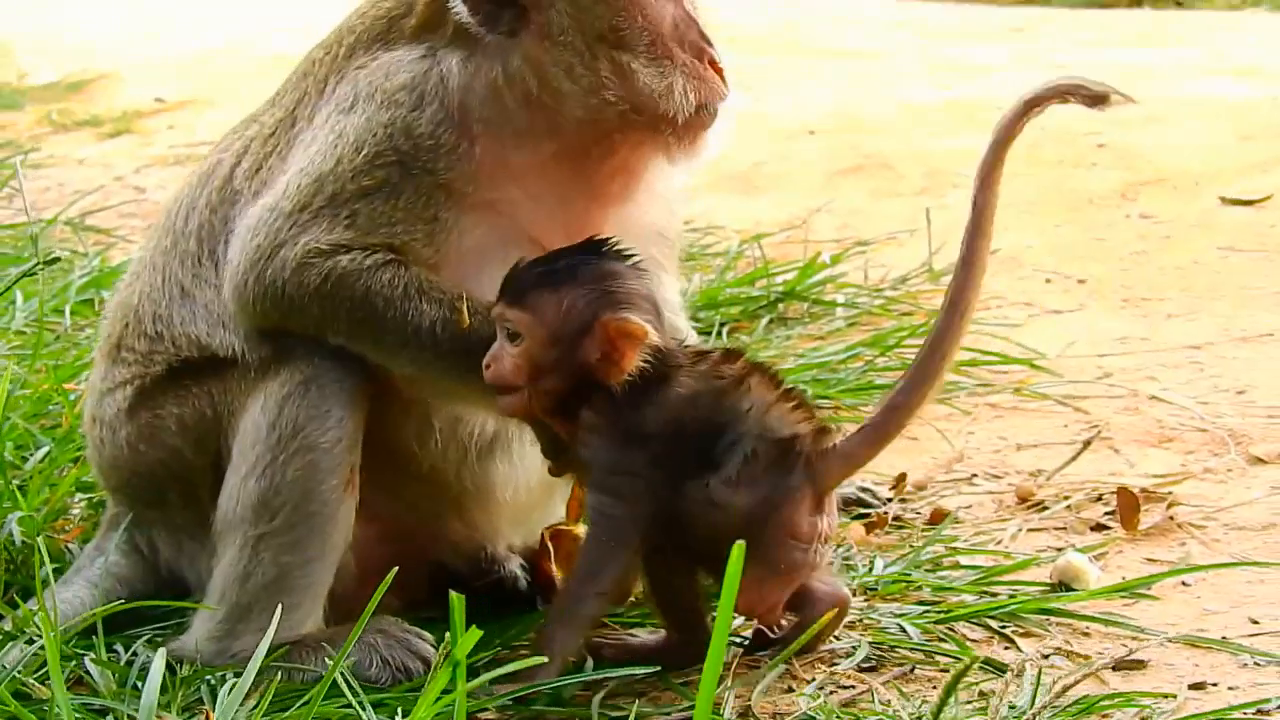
617	347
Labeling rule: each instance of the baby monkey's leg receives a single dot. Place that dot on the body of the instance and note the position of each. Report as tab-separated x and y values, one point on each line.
817	596
603	563
671	583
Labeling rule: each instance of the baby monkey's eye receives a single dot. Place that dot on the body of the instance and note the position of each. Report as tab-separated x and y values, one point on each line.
511	335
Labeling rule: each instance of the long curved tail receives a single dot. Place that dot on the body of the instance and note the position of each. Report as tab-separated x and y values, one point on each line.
845	457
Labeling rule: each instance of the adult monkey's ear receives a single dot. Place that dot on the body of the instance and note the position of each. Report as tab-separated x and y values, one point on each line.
504	18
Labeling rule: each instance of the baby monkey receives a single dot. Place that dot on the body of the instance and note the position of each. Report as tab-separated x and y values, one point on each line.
682	451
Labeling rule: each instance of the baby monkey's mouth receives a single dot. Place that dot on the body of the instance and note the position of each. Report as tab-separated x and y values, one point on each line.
512	400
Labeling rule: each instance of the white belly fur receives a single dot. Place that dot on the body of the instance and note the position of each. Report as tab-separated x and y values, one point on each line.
494	462
510	496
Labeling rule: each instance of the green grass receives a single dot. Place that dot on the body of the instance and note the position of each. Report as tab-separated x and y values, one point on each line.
55	103
20	95
931	604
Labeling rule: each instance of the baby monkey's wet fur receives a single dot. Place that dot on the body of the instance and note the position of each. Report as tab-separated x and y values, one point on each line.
684	451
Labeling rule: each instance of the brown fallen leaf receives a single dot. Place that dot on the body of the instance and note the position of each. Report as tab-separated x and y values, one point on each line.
1130	665
1244	202
1199	685
938	515
1128	509
557	552
878	522
558	547
899	485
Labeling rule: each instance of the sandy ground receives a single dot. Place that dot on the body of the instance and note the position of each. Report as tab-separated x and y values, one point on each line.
1114	252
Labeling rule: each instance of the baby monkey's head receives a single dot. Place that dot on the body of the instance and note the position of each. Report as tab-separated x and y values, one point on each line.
576	318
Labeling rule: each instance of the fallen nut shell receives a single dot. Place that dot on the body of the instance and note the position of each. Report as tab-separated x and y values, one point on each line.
1076	570
1024	491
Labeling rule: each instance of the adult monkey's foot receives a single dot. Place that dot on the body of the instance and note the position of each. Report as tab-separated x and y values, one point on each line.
388	652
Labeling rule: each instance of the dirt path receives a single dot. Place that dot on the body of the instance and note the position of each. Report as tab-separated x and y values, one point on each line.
1112	245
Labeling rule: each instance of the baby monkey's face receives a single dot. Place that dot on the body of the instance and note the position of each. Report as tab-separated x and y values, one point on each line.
792	545
532	361
507	365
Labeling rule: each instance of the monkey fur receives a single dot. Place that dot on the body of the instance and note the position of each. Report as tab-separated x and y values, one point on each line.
684	450
286	400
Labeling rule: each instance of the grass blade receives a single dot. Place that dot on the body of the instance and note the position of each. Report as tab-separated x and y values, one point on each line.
952	688
231	707
317	693
150	700
713	664
457	623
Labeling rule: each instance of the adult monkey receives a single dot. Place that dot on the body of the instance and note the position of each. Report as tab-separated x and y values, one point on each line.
287	399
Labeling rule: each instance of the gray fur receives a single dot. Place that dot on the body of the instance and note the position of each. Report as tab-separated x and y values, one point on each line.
285	374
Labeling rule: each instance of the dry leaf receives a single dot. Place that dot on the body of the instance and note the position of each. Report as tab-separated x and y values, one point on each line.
558	548
1130	665
1244	202
1128	509
899	485
558	545
1268	453
938	515
878	522
557	552
1199	685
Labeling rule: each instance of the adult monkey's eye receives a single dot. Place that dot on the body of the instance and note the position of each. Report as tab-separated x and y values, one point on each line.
511	335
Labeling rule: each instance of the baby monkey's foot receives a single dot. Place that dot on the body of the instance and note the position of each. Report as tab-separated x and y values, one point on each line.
646	648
